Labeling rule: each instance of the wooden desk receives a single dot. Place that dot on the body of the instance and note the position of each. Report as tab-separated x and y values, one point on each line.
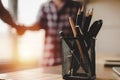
105	73
54	73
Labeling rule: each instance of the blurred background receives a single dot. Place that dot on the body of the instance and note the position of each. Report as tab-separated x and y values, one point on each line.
23	52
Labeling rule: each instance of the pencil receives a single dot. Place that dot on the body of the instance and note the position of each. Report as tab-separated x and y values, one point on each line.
80	17
77	25
78	43
80	34
87	21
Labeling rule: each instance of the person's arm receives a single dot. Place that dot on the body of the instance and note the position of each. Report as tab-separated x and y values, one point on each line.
41	21
34	27
6	17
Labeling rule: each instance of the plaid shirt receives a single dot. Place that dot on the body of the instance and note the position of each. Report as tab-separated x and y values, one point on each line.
53	21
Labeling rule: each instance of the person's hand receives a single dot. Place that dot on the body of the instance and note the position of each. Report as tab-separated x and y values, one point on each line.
20	29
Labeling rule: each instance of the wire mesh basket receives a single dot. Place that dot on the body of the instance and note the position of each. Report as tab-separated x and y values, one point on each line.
73	68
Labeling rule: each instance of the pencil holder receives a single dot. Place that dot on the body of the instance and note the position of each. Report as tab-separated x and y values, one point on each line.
78	51
74	67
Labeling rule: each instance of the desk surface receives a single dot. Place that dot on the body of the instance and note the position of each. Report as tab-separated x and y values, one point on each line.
54	73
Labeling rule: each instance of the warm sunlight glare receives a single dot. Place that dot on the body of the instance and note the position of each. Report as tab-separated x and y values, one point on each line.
31	46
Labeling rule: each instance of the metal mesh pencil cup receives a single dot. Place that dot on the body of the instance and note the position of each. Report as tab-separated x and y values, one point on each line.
73	68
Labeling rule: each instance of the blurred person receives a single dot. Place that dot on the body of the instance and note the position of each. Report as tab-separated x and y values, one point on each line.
52	17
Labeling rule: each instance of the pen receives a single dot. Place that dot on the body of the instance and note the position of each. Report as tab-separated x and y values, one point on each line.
65	39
